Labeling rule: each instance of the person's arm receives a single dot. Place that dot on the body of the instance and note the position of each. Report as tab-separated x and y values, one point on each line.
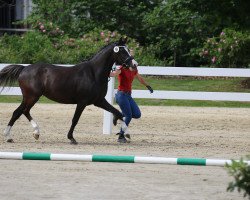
115	73
143	82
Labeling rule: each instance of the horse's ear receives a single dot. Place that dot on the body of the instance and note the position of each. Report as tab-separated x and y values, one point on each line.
125	40
120	41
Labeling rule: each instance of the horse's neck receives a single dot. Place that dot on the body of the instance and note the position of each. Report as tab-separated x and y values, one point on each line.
102	65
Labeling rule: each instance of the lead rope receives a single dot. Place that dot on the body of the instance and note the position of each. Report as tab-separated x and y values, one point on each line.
113	69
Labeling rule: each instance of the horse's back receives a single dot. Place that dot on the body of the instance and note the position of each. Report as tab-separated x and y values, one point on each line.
61	84
39	79
43	72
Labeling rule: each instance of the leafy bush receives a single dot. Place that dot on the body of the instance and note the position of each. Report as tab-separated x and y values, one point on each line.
48	43
241	173
29	48
230	49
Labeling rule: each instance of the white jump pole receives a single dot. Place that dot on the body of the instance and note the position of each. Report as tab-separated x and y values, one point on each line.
113	158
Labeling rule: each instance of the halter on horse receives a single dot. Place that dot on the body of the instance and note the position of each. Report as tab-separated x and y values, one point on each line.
83	84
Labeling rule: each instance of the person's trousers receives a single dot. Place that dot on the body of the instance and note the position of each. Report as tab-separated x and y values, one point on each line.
128	106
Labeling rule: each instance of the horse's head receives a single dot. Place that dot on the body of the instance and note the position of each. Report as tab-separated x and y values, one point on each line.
123	56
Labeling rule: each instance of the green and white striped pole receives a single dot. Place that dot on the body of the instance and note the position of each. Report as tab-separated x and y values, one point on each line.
111	158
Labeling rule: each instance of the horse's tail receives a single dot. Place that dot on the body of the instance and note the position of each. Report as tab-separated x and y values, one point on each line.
9	74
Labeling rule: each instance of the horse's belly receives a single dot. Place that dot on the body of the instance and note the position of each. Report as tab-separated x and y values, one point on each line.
66	99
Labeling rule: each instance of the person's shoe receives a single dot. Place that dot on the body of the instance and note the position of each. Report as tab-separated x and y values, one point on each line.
121	138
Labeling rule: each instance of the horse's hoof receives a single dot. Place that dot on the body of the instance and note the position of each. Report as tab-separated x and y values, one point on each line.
36	136
73	141
10	140
115	119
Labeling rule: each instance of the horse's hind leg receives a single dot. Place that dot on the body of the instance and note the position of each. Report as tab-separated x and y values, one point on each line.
29	104
24	108
36	132
16	114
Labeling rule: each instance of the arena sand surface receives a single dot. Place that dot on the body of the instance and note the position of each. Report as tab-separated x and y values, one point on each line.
222	133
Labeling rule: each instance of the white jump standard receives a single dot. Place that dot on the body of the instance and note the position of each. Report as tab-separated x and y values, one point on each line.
111	158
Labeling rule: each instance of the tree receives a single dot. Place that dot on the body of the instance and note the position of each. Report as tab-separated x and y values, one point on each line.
178	28
174	30
79	17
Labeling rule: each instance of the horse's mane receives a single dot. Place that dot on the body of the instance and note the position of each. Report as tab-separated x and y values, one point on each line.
94	54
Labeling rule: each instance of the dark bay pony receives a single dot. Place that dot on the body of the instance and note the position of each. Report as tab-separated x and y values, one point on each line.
83	84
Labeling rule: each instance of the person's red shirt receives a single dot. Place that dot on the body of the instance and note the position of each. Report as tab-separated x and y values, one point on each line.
125	79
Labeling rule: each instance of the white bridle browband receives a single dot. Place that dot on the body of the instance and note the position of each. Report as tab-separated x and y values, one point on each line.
116	49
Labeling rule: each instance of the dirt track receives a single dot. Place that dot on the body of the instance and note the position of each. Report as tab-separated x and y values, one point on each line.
162	131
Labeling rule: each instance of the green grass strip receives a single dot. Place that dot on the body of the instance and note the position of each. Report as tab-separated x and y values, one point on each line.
191	161
36	156
108	158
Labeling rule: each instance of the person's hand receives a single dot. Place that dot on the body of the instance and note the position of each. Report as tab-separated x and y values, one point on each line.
150	89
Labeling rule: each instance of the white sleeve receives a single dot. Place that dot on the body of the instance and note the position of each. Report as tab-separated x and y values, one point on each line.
118	67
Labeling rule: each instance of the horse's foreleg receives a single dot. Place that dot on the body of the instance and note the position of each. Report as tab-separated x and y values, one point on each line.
16	114
106	106
116	115
77	115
